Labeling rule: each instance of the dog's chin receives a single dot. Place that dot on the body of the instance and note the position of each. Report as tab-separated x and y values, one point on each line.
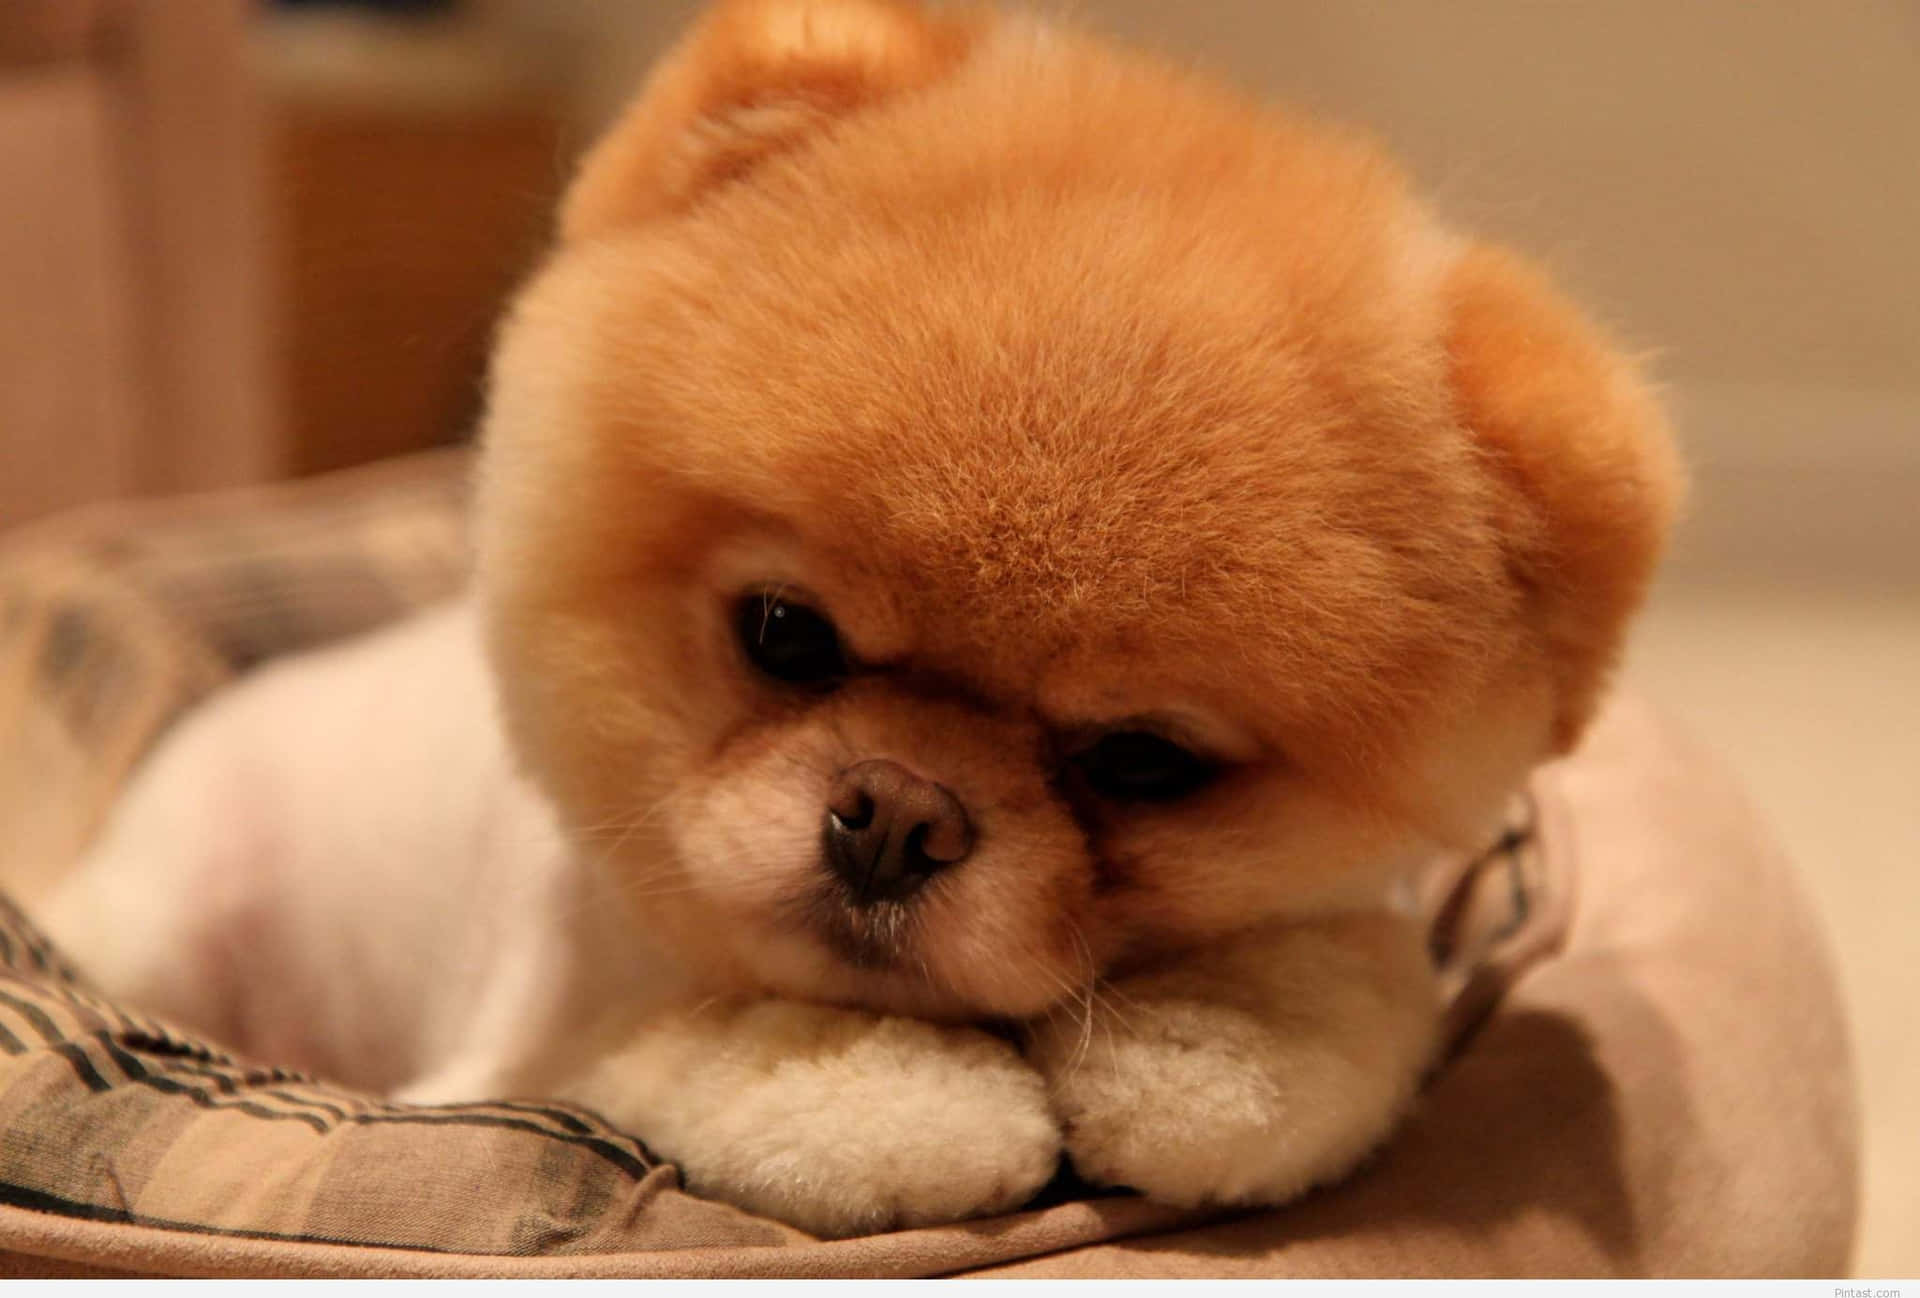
877	939
893	958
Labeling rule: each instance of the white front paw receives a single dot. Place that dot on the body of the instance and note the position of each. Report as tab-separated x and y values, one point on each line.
839	1122
1194	1103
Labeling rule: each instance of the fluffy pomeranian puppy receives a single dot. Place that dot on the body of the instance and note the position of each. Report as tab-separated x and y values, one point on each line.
996	558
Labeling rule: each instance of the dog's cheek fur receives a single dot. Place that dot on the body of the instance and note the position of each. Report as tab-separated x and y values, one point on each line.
742	844
1265	849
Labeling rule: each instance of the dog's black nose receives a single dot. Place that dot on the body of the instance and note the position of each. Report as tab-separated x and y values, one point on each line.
888	831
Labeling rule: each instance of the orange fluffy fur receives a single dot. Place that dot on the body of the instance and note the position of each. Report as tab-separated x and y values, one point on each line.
1076	390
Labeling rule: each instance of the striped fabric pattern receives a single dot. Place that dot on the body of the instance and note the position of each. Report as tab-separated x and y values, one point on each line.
110	1115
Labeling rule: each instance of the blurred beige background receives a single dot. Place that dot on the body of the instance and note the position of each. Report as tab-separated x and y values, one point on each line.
1733	186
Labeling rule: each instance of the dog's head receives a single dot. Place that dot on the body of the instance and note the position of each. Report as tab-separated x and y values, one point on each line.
964	507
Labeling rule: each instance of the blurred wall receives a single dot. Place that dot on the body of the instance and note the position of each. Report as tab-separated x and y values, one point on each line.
413	164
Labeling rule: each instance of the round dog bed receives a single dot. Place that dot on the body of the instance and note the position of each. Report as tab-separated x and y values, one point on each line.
1649	1078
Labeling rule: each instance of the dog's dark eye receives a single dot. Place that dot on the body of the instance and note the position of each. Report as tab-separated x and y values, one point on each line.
789	642
1137	766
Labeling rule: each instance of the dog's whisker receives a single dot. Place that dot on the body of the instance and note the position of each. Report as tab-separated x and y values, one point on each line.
1087	994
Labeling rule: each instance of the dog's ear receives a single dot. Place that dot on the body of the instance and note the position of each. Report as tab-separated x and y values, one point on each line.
1593	476
752	78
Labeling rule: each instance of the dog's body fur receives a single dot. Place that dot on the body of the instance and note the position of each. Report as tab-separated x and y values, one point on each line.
1086	399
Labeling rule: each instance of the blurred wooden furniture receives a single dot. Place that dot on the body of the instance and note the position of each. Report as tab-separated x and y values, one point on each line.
135	330
235	249
413	164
